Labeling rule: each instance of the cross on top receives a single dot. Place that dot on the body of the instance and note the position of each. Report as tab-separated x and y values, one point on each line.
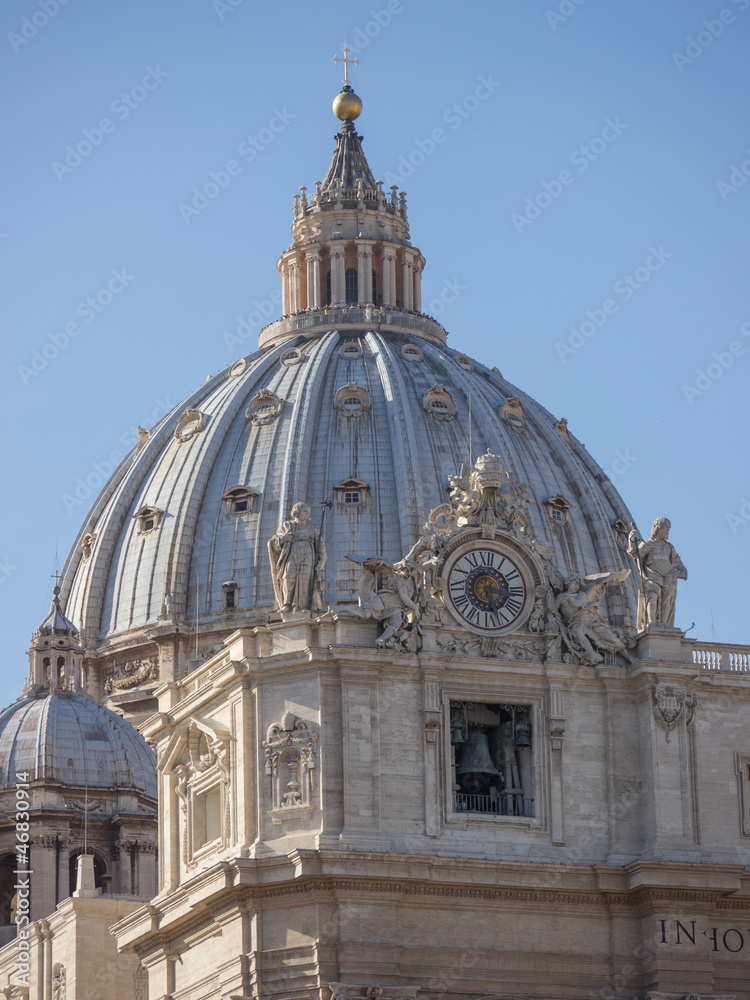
347	62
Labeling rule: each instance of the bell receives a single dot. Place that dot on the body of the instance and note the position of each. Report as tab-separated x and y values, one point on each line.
457	734
523	736
476	756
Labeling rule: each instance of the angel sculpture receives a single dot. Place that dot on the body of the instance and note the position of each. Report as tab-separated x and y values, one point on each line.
388	592
587	632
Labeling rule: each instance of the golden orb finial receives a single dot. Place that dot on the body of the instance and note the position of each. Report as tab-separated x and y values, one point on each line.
346	105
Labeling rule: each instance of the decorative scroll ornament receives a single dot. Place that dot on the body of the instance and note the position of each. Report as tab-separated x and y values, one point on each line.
671	705
132	673
291	749
489	497
501	649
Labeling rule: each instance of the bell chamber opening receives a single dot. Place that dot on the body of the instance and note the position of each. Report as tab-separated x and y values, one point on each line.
491	759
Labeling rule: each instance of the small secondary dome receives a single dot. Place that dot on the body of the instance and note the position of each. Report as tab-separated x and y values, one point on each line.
347	106
70	739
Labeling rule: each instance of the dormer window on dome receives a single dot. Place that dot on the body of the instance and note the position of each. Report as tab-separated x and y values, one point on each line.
352	400
240	500
351	350
191	423
351	493
264	407
147	519
557	508
238	368
412	352
231	593
292	356
439	403
512	413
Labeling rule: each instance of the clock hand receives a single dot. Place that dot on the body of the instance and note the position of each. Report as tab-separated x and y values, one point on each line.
493	601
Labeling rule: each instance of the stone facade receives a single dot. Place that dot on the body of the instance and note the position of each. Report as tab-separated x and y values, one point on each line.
629	874
425	731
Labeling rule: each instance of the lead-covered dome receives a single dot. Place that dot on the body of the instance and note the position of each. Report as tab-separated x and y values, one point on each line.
68	739
353	397
374	419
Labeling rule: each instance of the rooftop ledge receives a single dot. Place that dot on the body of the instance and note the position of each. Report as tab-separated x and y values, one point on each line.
723	656
380	318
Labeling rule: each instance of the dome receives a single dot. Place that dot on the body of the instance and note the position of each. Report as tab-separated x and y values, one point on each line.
342	401
353	398
70	739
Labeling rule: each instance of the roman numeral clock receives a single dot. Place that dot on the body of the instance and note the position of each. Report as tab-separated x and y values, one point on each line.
487	587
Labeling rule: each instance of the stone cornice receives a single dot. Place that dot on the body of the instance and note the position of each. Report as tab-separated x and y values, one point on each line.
640	886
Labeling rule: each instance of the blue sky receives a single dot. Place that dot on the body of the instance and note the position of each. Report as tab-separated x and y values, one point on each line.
575	180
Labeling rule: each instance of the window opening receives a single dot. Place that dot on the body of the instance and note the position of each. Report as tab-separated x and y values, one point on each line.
352	289
491	759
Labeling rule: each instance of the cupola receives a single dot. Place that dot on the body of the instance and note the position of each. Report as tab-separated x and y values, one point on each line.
351	245
56	655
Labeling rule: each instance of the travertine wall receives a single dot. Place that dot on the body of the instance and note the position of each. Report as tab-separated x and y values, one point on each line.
74	946
631	876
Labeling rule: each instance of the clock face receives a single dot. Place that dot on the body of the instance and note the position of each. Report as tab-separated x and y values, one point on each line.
485	589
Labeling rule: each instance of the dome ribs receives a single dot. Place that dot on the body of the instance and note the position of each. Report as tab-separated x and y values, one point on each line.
403	451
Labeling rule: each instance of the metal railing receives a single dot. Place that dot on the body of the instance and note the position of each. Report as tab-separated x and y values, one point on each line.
722	656
493	805
373	316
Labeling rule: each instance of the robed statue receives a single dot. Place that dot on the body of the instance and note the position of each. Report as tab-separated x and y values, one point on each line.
298	554
660	569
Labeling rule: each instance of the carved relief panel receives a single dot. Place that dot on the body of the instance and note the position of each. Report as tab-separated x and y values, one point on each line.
290	750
